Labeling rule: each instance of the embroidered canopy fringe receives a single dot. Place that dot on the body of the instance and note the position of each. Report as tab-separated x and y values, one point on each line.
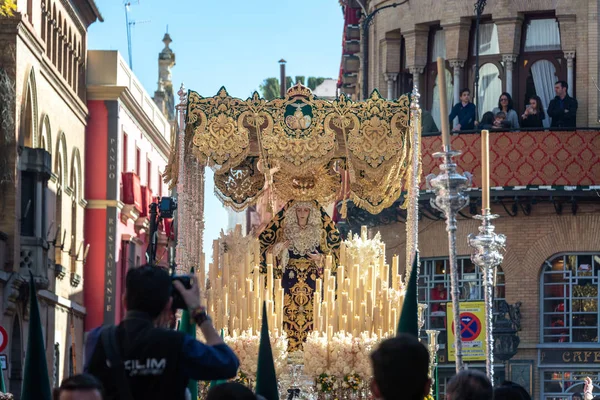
300	146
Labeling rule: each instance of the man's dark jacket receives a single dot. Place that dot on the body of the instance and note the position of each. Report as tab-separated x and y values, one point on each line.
158	362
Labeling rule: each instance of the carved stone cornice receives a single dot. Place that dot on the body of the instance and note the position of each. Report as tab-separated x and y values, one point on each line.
509	60
457	64
390	76
416	70
570	57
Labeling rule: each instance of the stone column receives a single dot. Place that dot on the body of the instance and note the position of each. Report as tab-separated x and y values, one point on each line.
416	72
457	66
390	78
570	56
509	60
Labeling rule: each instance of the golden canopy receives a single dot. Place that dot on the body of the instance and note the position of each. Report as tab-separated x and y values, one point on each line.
302	147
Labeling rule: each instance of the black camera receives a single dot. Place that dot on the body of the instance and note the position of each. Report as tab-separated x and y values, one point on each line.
167	206
178	302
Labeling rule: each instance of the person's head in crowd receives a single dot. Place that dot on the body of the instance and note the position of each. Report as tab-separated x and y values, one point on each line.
577	396
535	103
80	387
148	290
505	102
499	119
400	369
560	88
469	385
487	120
230	391
465	96
511	391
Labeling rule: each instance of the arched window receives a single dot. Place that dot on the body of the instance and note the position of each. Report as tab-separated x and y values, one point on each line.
542	63
491	73
437	48
434	289
490	88
569	287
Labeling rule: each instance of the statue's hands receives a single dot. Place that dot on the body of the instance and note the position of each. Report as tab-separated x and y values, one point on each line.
316	257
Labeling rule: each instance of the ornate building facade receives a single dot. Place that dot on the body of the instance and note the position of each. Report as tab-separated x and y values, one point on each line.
128	145
545	184
43	62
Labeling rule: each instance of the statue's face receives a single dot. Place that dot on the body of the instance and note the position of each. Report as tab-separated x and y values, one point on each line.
302	213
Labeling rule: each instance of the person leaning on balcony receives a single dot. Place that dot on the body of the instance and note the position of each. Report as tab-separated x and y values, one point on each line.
465	111
534	114
563	108
505	104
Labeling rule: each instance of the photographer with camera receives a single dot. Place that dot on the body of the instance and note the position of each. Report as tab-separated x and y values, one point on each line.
141	358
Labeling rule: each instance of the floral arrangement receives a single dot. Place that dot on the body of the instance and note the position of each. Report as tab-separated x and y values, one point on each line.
363	346
325	383
245	346
352	382
341	355
6	396
429	397
315	354
363	252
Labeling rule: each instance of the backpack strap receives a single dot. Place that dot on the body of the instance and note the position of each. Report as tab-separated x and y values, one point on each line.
115	363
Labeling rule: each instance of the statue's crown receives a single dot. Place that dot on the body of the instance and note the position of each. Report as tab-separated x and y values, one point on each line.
299	90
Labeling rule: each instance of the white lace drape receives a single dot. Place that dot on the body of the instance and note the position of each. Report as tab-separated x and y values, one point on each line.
438	46
488	40
490	88
542	35
544	76
435	108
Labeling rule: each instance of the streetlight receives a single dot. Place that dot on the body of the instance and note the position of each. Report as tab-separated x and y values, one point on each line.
365	56
479	6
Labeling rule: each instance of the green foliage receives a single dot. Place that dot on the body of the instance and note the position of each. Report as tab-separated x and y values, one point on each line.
7	8
269	89
313	82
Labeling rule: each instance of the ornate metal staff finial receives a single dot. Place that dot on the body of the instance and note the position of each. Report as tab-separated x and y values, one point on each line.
433	346
449	188
487	254
414	97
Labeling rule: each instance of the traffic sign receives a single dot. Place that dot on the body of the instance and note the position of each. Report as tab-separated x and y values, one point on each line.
472	331
470	326
3	339
3	362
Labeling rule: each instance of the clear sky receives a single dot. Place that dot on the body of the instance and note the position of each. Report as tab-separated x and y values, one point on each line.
234	43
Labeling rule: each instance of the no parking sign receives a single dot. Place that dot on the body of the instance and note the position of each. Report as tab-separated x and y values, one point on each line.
472	330
3	339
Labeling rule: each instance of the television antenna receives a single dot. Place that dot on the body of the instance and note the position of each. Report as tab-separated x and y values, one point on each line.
129	22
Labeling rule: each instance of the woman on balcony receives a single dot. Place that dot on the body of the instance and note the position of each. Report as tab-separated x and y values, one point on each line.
505	104
534	114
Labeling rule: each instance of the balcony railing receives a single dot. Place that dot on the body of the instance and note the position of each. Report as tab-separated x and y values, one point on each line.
568	158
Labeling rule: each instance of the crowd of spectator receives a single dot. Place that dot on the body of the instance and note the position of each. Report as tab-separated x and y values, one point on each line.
562	111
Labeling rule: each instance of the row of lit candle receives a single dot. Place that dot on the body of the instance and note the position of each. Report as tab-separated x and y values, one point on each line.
346	299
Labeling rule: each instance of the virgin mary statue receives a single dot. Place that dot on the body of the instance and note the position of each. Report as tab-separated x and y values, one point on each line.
300	236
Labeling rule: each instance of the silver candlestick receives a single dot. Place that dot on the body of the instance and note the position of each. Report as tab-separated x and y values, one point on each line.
449	188
487	255
433	346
